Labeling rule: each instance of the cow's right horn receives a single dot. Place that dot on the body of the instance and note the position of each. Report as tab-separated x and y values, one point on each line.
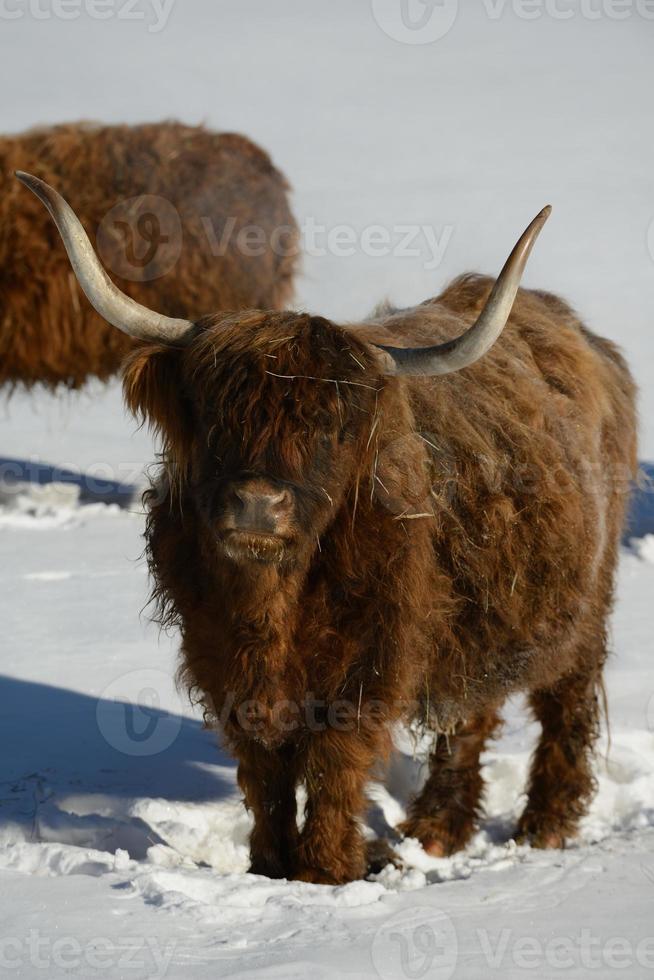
112	304
454	355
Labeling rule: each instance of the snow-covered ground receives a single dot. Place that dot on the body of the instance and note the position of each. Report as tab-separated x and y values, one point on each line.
122	839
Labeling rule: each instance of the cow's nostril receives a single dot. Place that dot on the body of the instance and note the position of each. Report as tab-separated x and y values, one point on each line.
248	498
279	501
255	506
239	499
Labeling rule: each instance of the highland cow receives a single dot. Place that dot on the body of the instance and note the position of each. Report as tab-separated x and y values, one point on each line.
409	518
172	207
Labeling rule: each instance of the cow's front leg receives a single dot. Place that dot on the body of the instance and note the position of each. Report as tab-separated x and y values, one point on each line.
267	779
335	768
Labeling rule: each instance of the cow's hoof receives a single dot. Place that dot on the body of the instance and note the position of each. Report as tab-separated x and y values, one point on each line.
542	834
542	840
267	869
379	854
316	876
437	841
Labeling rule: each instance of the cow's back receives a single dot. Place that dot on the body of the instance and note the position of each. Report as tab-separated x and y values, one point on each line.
532	450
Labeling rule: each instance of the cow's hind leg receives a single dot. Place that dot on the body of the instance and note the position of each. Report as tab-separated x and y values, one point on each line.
444	815
561	781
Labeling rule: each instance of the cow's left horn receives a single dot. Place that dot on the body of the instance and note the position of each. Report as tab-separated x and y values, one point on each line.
112	304
453	355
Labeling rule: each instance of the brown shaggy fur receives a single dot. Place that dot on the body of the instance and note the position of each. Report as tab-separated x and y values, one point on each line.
454	542
48	330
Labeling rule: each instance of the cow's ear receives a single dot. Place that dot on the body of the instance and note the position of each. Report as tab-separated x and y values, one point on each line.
153	390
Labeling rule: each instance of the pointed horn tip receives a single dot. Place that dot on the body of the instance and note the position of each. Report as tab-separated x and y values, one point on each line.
535	226
34	184
24	177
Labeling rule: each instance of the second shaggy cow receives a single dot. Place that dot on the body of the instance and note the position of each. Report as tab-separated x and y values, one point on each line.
186	219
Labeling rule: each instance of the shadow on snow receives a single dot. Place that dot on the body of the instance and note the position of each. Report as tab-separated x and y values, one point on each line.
640	519
69	772
17	474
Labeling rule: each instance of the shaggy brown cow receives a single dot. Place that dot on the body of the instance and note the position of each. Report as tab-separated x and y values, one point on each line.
178	247
348	533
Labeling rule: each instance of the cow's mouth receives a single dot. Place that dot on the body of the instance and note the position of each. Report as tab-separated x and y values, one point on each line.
254	546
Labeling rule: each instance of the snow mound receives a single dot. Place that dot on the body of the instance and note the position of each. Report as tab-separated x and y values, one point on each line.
644	547
53	505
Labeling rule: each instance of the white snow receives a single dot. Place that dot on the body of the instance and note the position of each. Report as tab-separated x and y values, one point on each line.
644	547
127	856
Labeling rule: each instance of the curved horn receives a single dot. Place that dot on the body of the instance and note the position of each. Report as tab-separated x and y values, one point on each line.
456	354
112	304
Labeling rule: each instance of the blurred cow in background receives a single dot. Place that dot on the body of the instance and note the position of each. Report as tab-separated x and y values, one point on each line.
185	219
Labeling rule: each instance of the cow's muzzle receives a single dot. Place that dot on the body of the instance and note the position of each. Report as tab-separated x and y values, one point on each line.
257	520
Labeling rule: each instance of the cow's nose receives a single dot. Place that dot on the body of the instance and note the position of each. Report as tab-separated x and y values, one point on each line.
258	507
